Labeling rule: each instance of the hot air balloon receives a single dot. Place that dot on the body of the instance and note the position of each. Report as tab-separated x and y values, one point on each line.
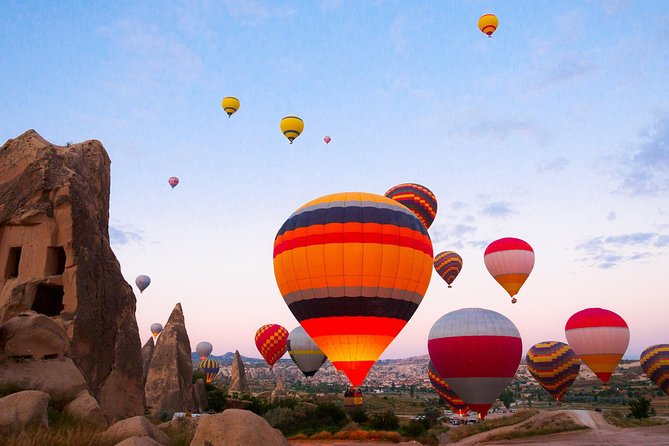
327	140
142	282
488	24
304	352
204	349
173	182
655	364
271	342
230	105
446	392
510	261
353	268
554	365
448	265
210	369
156	329
600	338
477	352
419	199
292	126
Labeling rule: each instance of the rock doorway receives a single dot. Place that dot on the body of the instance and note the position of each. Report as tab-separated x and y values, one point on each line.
48	300
55	261
13	262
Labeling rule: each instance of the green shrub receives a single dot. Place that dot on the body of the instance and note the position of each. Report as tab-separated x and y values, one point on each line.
359	415
386	420
640	408
413	429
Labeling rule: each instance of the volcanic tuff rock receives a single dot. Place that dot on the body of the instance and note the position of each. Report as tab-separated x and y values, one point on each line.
132	427
200	396
169	382
55	259
21	409
147	354
236	427
33	335
59	377
238	383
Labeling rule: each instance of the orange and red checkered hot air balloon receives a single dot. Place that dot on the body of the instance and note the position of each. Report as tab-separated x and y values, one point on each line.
271	342
419	199
510	261
600	338
353	268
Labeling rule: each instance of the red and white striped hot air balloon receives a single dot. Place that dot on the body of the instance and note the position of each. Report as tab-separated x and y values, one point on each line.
510	261
477	352
600	338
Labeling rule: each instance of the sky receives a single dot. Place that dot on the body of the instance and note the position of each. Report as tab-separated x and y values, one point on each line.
555	130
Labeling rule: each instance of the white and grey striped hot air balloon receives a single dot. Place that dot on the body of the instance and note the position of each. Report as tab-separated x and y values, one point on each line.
304	352
477	352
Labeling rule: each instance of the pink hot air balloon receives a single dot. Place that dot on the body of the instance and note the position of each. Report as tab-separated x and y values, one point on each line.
173	181
327	140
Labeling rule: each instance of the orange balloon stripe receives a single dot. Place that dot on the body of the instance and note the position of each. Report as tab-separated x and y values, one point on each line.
356	371
352	325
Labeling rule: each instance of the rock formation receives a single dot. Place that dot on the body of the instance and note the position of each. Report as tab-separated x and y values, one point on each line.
147	354
21	409
236	427
169	382
35	336
55	259
200	396
280	389
238	383
132	427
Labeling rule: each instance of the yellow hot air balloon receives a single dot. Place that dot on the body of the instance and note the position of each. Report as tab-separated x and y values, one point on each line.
292	126
230	105
488	24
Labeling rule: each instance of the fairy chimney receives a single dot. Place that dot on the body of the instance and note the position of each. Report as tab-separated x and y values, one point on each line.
56	260
238	383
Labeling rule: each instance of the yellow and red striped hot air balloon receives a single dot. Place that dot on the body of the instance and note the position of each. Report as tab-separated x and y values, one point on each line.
448	265
291	127
655	364
210	369
271	342
510	261
353	268
488	24
419	199
600	338
554	365
230	105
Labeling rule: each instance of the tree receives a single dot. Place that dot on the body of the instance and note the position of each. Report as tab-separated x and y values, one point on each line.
640	408
506	397
386	421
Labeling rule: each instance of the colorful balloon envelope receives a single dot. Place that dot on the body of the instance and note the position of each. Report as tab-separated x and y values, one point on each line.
448	265
210	369
353	268
419	199
327	140
488	24
271	342
446	392
510	261
292	127
156	329
600	338
173	181
204	349
477	352
142	282
554	365
304	352
230	105
655	364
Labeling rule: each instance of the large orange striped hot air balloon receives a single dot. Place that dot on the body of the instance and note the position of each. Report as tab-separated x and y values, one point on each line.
477	352
554	365
353	268
510	261
446	392
600	338
655	364
419	199
448	265
271	342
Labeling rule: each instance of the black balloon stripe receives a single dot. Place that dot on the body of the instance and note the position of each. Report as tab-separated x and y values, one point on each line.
353	306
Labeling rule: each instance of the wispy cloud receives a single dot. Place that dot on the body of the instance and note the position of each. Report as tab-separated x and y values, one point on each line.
611	216
252	12
646	169
498	209
504	128
120	236
556	164
607	252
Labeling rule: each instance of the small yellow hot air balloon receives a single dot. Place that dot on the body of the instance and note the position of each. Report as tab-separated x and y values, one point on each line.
230	105
488	24
292	126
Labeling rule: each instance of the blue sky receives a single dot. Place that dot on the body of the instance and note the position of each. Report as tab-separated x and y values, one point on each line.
556	130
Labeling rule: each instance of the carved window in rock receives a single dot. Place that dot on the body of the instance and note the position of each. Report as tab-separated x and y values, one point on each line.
48	299
13	262
55	261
